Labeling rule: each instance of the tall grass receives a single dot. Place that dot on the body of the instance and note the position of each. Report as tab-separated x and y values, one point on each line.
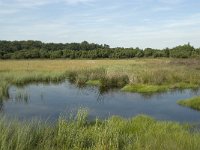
115	133
80	77
3	89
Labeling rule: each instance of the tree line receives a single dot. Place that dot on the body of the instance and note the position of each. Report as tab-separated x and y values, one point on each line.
37	49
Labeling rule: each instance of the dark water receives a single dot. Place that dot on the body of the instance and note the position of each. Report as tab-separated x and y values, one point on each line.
47	102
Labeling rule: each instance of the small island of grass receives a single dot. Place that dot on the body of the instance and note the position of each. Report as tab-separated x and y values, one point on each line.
193	103
142	88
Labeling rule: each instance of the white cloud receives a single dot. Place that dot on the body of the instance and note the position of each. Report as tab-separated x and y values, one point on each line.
173	2
77	1
158	9
188	21
6	11
32	2
14	6
29	3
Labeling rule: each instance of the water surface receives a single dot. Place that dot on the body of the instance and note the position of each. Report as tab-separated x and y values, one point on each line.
48	102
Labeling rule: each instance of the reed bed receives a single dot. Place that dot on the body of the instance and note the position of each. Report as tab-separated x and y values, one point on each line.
115	133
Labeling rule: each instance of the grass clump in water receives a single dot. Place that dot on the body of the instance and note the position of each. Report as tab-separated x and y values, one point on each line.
94	82
183	85
114	81
148	88
193	103
22	96
4	90
86	76
142	88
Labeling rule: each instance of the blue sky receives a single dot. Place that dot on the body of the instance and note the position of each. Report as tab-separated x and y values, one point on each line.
128	23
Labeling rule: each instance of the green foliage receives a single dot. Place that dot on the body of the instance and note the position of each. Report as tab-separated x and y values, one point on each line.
56	54
37	49
184	51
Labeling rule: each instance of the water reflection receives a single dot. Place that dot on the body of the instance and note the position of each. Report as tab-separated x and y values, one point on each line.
1	105
51	100
20	95
92	89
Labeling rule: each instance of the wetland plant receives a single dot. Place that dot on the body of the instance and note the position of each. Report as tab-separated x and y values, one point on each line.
115	133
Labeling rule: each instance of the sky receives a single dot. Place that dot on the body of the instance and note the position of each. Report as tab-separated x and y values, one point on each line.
119	23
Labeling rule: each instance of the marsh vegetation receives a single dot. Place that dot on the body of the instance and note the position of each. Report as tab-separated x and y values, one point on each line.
134	75
141	132
137	75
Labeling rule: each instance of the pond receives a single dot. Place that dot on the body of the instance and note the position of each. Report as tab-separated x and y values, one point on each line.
49	101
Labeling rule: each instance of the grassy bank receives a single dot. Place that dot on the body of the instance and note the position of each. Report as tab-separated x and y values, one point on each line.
139	133
193	103
134	75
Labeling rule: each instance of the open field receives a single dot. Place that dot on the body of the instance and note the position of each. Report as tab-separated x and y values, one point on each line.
134	75
139	133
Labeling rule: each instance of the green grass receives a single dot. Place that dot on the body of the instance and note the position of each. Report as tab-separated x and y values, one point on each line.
141	88
115	133
146	88
94	82
182	85
193	103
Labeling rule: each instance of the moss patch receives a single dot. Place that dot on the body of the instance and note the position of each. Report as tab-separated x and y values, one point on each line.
193	103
